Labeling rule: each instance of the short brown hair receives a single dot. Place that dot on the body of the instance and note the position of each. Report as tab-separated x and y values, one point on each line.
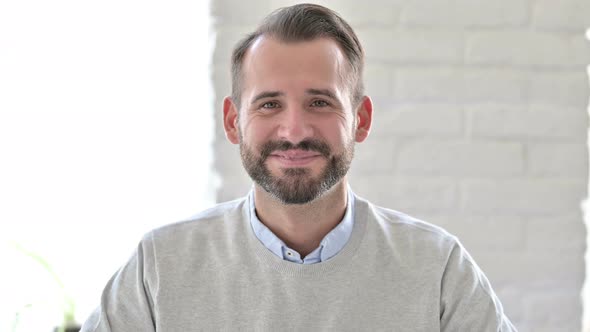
304	22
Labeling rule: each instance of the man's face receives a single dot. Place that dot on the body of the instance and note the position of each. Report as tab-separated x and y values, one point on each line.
296	125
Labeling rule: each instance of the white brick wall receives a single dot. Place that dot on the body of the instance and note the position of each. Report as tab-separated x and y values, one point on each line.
465	13
540	122
480	127
568	15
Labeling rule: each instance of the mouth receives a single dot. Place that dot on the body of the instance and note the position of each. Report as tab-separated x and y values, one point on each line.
291	158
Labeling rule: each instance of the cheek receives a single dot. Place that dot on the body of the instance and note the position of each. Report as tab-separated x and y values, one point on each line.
337	134
344	126
254	132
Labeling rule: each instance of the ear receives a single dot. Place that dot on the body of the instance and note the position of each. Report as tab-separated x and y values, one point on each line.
230	121
364	118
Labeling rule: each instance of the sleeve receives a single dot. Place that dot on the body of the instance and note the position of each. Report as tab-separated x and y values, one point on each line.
468	302
127	300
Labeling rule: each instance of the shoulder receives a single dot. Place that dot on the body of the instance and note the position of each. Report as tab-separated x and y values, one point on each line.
407	223
405	233
204	226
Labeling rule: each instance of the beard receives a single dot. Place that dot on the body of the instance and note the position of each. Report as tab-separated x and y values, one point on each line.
296	185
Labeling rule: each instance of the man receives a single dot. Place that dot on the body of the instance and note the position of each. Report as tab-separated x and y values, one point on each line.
301	252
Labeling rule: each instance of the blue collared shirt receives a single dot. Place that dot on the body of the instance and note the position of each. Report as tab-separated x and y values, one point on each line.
330	245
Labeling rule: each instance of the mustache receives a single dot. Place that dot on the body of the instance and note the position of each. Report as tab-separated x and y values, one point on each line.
306	145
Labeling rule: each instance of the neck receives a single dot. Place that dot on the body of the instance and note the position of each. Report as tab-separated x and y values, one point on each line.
302	226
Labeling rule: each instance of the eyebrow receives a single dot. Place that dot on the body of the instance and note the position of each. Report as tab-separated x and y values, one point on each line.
322	92
266	94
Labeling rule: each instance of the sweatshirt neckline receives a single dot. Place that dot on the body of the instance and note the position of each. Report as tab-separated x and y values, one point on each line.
345	257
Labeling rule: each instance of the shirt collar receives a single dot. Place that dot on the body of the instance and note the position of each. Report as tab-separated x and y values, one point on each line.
334	241
330	245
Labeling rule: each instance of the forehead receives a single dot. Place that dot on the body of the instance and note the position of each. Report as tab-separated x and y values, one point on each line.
271	63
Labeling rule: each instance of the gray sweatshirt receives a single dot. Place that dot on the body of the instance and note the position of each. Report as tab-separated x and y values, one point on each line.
211	273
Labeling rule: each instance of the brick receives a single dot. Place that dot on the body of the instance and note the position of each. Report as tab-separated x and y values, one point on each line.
538	122
533	273
521	48
461	158
428	84
378	80
571	15
494	85
374	155
419	120
512	301
407	194
485	234
465	13
580	51
563	89
556	309
356	13
537	327
564	233
412	46
527	197
558	159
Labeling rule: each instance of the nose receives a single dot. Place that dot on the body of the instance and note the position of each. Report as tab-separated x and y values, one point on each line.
295	125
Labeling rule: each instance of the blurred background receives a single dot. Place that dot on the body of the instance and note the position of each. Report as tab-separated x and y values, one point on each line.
110	125
106	131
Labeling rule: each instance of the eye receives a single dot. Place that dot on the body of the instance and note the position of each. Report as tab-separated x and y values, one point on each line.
320	103
270	104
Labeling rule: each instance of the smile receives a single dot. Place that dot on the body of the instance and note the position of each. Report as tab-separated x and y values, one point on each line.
292	158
